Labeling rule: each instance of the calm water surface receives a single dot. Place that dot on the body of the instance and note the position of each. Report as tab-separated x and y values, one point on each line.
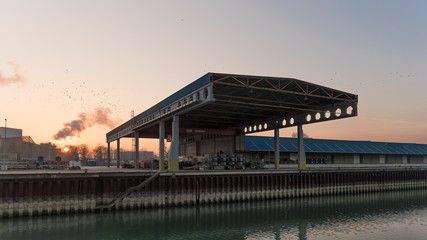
391	215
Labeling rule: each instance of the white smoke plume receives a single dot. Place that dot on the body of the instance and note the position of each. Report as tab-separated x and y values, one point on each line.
100	115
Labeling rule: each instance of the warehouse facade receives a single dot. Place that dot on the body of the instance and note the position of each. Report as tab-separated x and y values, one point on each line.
321	151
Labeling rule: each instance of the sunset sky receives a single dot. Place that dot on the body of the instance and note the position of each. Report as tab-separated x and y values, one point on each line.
64	60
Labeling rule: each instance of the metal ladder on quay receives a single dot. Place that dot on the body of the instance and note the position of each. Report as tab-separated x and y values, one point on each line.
124	194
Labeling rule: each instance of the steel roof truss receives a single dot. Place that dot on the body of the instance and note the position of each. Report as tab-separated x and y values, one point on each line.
286	91
278	101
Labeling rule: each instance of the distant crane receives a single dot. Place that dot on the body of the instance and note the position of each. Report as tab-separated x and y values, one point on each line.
132	115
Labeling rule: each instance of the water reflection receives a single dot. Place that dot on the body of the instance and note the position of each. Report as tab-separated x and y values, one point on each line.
391	215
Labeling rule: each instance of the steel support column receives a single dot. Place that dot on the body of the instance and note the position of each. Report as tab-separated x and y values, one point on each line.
118	153
136	134
356	158
276	149
173	164
382	159
108	155
301	152
162	145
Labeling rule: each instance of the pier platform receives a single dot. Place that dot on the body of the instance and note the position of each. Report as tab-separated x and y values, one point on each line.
46	192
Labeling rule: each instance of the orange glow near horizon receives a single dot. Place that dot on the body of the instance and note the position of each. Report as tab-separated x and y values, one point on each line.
66	149
68	141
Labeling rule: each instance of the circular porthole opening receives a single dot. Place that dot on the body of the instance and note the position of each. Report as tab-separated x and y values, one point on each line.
338	112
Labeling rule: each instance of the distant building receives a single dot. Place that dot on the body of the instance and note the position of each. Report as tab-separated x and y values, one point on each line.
24	148
143	156
10	132
336	151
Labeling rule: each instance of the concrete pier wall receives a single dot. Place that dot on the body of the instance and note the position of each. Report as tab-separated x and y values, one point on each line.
31	195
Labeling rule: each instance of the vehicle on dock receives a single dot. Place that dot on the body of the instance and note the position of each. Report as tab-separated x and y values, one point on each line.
74	165
128	164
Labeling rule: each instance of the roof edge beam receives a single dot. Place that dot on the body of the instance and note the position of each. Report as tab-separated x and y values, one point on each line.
196	98
331	112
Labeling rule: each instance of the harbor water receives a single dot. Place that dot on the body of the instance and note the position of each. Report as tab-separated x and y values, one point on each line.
381	215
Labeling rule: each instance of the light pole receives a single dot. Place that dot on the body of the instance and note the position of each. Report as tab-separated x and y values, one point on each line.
50	147
4	144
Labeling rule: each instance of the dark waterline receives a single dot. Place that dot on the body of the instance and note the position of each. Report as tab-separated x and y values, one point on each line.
384	215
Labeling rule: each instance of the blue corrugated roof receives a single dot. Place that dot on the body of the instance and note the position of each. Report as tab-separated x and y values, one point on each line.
257	143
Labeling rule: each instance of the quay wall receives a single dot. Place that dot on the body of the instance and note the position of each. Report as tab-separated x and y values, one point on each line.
47	194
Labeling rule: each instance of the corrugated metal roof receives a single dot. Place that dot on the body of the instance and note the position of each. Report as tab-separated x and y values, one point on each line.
257	143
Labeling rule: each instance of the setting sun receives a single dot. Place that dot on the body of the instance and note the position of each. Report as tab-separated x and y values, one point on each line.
66	149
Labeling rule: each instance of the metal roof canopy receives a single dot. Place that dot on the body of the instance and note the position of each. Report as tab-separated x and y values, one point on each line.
232	104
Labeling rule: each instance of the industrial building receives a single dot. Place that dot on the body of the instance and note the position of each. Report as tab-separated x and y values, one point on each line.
10	132
16	147
143	156
321	151
214	113
212	117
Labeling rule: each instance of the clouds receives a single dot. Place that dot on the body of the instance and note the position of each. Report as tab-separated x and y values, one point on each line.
13	78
